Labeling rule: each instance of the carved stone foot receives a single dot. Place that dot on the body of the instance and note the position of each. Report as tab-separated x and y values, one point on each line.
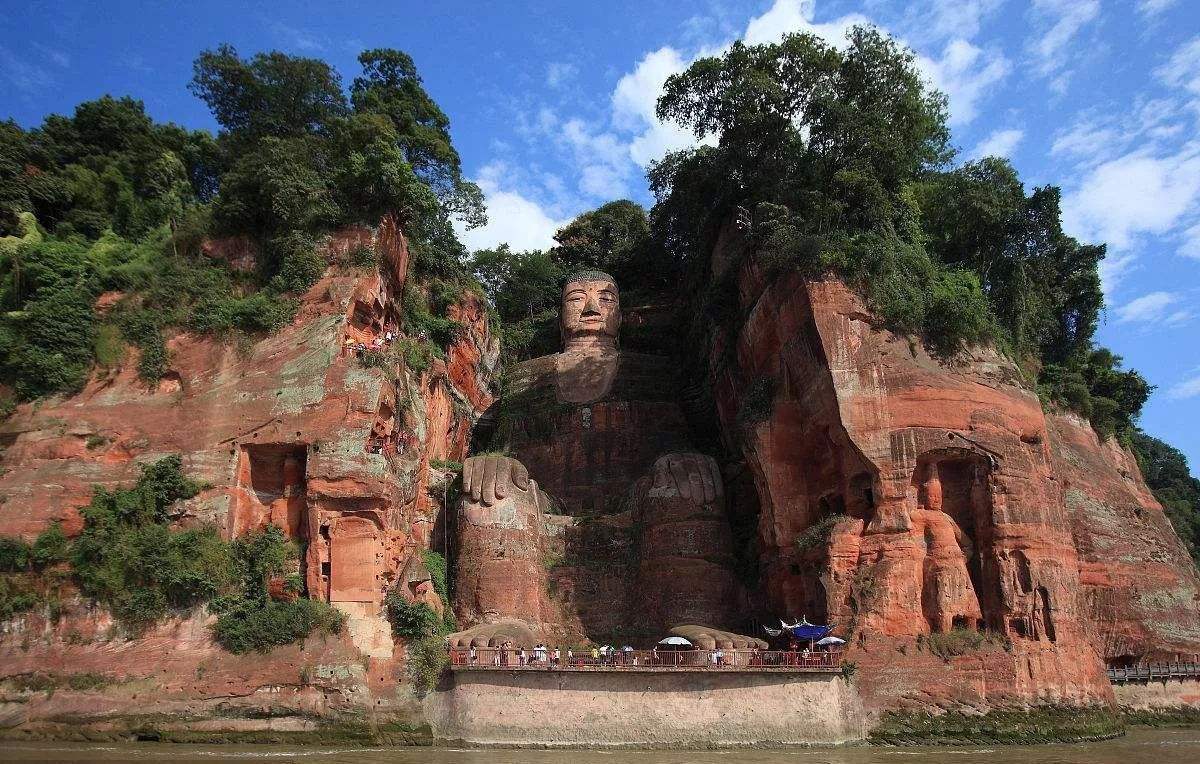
708	638
495	635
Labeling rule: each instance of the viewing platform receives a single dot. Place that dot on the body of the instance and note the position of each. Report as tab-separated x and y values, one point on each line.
649	661
1148	672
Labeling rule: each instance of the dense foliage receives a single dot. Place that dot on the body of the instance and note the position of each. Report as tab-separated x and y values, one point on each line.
836	161
1166	472
107	200
129	558
416	620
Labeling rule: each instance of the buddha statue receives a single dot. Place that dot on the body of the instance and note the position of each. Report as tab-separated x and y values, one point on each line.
595	432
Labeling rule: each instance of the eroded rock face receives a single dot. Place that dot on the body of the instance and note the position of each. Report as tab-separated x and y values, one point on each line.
294	431
915	502
1138	587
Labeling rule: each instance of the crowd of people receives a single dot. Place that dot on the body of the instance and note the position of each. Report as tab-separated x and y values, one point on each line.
377	345
507	655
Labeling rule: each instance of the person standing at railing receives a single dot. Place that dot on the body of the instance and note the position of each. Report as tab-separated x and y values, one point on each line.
474	656
557	659
595	655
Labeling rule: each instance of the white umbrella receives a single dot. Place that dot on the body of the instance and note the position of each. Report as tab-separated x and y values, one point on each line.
831	641
678	641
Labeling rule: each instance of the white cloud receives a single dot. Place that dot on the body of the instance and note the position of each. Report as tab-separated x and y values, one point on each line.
1188	388
1183	68
959	18
1062	20
1137	193
1149	307
633	105
559	73
1000	143
794	16
1087	141
23	74
1113	268
297	39
513	218
1154	7
1191	242
965	73
57	57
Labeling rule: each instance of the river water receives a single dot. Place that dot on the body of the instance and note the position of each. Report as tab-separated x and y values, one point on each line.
1138	747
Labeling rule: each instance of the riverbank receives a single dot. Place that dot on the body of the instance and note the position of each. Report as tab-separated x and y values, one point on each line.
1047	724
1142	746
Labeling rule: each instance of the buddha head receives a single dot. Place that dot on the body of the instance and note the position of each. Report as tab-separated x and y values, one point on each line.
590	314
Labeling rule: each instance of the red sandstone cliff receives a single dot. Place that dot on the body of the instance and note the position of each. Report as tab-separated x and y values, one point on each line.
956	506
292	430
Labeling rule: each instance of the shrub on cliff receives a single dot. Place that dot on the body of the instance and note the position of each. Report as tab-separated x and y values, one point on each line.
248	618
410	620
254	626
1166	472
128	557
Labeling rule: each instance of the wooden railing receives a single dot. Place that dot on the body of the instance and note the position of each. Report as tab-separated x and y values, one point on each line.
643	660
1148	672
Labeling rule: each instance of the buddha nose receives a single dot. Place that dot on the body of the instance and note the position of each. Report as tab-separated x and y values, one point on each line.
591	306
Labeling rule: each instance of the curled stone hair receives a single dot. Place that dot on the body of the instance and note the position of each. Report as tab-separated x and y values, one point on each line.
591	275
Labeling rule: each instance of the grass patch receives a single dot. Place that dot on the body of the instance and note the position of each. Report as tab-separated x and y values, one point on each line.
1048	724
817	534
1167	716
958	641
427	659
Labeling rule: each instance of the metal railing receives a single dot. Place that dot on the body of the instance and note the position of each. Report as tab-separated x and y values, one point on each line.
1147	672
634	660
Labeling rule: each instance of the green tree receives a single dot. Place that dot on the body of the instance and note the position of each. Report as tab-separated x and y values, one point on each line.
390	86
270	95
1166	472
614	238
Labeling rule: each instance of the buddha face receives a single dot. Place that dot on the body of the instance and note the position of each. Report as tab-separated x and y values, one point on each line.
591	312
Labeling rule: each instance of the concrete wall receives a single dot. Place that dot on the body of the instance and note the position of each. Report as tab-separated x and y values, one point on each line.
1158	694
644	708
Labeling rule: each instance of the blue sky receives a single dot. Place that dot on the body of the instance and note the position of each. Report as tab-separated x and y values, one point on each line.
551	106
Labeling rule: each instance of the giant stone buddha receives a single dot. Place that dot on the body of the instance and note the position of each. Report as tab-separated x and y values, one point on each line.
597	433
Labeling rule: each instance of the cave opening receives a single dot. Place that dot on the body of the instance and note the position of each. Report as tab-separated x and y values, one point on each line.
273	487
273	490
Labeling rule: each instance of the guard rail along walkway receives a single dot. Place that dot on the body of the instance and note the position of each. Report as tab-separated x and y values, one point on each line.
498	659
1149	672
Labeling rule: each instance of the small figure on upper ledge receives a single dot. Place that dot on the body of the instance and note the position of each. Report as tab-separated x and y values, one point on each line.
603	432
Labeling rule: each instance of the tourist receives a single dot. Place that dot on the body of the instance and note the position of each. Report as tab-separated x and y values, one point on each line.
557	659
502	656
595	655
474	657
539	653
521	659
628	654
654	656
570	655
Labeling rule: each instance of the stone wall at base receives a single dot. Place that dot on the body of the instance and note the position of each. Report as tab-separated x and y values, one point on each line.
666	709
1136	696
